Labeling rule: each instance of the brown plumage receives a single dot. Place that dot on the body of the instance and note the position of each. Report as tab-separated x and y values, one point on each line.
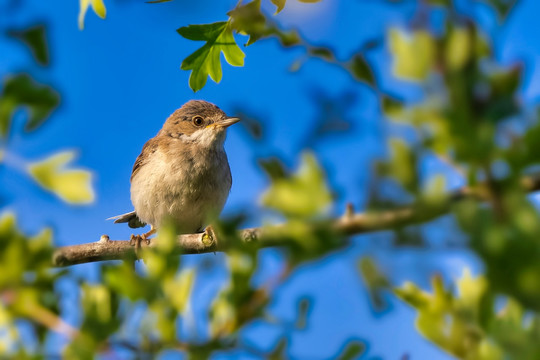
182	174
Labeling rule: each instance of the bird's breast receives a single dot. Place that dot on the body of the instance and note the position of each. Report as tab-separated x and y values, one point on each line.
186	187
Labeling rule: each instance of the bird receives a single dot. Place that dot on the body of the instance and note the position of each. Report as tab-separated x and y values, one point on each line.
182	175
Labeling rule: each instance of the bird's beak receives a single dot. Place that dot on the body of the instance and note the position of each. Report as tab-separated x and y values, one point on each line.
226	122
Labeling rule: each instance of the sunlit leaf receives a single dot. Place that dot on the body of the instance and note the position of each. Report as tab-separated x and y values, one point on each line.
125	281
280	4
305	193
453	322
402	164
22	91
71	185
458	48
20	254
206	60
248	19
222	315
97	5
435	191
178	289
36	40
413	54
471	289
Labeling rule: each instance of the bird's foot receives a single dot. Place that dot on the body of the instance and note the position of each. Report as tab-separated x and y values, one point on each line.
136	240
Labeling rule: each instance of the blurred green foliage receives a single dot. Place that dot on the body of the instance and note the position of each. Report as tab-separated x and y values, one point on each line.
97	5
71	185
302	195
21	91
467	99
34	38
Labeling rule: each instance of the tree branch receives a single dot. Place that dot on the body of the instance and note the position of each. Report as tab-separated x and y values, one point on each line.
348	224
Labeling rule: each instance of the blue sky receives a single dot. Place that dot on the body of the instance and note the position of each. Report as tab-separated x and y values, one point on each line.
120	79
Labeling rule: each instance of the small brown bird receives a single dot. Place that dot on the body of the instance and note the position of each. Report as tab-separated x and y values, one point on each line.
182	174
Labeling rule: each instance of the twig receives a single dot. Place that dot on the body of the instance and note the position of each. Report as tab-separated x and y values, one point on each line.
348	224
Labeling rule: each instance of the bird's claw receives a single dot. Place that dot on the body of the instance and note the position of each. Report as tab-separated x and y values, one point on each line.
136	240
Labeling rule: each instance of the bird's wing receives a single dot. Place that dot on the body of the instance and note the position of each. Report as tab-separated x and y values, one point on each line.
148	149
131	218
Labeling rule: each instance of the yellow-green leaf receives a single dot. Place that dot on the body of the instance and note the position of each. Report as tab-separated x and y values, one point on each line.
458	48
71	185
280	4
402	164
471	289
305	193
178	289
97	5
413	54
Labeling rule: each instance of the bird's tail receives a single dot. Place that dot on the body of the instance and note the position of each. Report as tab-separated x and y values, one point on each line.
131	218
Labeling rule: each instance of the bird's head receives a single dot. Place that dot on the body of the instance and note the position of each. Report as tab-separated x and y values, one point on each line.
199	122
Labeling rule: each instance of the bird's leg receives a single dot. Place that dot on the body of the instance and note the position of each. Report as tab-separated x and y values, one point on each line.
135	240
147	235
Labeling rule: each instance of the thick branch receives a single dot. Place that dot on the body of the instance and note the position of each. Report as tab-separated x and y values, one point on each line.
349	224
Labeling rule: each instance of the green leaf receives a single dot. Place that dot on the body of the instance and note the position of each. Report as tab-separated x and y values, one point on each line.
375	281
458	48
280	4
273	167
304	305
352	350
502	7
249	20
413	54
71	185
402	165
22	91
453	322
206	60
127	282
303	194
97	5
178	289
360	69
35	38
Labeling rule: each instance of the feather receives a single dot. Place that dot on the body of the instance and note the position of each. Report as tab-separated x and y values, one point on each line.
130	218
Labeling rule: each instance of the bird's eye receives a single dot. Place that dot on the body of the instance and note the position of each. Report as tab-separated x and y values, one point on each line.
198	121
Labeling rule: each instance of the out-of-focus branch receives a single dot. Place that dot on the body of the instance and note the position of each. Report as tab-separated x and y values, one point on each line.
349	224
